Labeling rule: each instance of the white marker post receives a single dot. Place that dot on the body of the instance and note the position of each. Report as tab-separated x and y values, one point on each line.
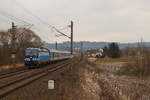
51	84
13	56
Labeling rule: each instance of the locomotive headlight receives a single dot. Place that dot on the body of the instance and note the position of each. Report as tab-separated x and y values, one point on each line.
34	58
27	59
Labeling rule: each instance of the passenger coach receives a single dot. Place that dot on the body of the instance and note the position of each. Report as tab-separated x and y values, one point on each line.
37	56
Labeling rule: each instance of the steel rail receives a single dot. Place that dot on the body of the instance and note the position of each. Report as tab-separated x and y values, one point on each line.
30	78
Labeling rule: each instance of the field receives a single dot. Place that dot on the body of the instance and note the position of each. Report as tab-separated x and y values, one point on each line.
127	86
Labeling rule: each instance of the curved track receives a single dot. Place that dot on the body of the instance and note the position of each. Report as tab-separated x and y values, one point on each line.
9	84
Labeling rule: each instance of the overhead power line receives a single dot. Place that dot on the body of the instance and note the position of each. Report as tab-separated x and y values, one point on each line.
66	27
36	17
63	34
13	18
41	20
30	13
23	32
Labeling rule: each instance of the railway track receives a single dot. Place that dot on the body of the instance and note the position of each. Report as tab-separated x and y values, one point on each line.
13	71
10	86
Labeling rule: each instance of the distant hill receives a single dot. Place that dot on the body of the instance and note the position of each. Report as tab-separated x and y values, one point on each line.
90	45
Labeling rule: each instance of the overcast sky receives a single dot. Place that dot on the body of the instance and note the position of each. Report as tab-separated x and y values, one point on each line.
94	20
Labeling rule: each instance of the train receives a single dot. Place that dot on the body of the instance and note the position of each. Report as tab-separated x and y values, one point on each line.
34	57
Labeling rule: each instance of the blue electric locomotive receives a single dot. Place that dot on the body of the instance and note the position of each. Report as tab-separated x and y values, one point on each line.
37	56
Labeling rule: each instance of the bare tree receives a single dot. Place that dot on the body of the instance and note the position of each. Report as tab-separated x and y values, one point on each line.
23	38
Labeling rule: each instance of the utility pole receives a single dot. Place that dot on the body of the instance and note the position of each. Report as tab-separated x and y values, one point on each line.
13	47
71	45
81	50
56	46
70	37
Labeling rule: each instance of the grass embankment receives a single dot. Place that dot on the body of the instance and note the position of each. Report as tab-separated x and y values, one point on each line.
130	80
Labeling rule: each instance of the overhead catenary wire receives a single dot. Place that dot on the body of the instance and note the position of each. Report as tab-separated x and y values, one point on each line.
23	32
34	16
44	35
64	28
42	21
29	12
13	17
63	34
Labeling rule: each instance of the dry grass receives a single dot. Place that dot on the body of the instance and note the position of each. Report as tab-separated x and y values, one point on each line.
107	60
129	82
140	67
10	67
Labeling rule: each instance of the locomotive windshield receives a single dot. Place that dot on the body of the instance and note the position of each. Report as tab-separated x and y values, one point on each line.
31	52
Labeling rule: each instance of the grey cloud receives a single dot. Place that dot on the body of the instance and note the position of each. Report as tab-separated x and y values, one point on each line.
110	20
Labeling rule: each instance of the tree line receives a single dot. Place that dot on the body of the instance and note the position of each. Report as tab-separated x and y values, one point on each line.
112	51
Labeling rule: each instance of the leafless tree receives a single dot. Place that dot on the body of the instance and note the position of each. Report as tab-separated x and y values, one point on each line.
23	38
